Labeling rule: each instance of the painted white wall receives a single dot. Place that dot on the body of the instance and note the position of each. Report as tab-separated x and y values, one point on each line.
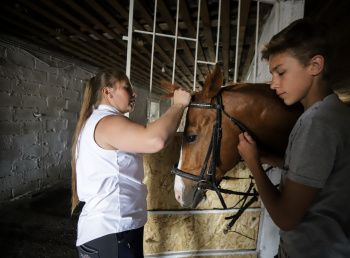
282	14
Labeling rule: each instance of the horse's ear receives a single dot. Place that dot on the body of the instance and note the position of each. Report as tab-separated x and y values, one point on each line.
212	83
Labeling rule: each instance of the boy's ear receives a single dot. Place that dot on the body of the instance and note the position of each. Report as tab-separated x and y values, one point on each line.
316	65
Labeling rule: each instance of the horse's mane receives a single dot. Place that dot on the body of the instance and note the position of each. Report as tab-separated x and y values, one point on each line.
249	88
239	85
262	89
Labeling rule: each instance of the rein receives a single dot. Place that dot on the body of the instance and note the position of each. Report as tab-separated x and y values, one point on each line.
206	179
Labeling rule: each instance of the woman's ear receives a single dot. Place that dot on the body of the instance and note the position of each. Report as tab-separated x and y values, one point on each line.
106	92
316	65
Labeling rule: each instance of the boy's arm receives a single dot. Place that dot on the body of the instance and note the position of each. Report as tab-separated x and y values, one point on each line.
286	207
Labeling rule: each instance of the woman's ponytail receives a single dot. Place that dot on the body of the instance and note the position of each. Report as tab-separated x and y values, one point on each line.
89	99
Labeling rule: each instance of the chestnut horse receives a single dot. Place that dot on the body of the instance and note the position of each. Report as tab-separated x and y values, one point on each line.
215	118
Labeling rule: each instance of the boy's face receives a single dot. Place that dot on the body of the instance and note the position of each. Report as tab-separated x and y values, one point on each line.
290	78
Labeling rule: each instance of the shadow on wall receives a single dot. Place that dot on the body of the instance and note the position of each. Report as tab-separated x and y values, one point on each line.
335	13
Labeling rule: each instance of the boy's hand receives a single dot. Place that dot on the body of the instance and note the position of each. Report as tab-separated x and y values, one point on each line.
248	150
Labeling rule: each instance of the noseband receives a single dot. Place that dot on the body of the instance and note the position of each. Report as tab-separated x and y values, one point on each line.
206	179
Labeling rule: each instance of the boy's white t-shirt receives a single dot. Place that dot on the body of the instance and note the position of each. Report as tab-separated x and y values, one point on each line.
110	184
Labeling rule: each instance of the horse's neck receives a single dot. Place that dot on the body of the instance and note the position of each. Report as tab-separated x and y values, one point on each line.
264	115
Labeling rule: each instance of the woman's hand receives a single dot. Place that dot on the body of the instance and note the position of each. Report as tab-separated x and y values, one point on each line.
182	97
248	150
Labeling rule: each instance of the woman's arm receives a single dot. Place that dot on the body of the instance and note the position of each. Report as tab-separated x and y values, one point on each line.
286	207
118	132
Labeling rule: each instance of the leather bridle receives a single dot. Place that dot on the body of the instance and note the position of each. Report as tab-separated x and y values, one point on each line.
206	179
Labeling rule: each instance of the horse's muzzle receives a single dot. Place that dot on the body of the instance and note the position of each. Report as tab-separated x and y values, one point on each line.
198	196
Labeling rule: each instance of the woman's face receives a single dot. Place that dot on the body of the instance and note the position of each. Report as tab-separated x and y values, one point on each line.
290	78
122	96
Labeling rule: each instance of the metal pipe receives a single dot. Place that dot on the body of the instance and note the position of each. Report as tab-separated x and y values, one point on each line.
196	54
153	40
256	40
237	41
129	46
205	62
175	43
164	35
218	33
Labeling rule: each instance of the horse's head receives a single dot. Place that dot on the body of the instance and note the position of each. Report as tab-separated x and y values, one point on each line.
197	138
212	150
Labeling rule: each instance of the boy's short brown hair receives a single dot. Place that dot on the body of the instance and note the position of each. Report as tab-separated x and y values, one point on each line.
304	39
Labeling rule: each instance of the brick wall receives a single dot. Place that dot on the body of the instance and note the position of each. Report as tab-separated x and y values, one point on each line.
39	103
40	98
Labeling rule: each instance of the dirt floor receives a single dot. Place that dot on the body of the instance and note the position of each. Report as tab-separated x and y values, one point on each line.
38	226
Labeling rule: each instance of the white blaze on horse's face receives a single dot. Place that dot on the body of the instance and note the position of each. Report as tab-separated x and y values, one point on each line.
183	194
179	187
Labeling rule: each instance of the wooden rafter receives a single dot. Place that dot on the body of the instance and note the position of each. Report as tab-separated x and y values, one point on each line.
166	59
93	30
225	12
245	6
168	17
187	19
164	42
207	30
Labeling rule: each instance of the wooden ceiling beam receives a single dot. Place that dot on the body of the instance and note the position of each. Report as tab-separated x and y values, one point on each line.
187	19
181	43
66	46
112	56
245	6
225	11
163	41
142	59
40	39
121	44
206	22
122	30
92	31
55	35
166	59
53	18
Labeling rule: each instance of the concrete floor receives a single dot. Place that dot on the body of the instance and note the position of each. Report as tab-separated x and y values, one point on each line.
39	226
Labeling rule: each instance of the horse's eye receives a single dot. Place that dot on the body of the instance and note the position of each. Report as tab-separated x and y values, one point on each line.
191	138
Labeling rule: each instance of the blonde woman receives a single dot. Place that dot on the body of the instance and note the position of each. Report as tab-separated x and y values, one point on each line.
107	170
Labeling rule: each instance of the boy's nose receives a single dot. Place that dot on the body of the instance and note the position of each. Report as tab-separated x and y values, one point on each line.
274	84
